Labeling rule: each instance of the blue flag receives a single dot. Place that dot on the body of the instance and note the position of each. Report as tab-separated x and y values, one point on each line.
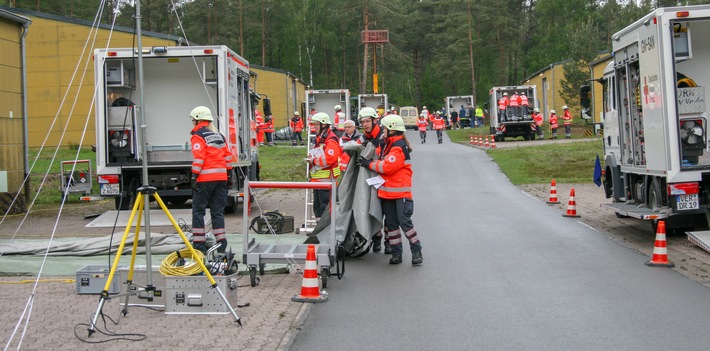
598	172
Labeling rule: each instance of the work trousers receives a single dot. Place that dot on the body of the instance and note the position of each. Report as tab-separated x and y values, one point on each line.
297	136
568	130
321	199
214	195
422	135
540	133
398	214
439	135
501	115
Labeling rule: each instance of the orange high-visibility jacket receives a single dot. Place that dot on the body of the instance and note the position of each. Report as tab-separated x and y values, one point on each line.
394	166
211	155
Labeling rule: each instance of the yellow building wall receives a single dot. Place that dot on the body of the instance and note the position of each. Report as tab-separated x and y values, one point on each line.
12	158
598	72
55	49
284	97
548	83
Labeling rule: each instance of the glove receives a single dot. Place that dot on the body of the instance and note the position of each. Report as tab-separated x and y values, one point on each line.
363	162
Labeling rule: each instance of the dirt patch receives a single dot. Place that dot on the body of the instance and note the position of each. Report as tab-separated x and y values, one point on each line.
689	259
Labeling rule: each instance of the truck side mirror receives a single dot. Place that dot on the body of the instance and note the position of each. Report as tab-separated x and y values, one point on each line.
267	107
585	96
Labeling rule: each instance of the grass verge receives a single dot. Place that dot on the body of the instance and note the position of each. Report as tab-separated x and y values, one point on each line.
282	163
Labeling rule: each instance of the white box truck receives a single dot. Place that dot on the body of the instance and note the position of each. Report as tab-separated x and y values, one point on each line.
656	159
516	122
176	80
377	101
454	103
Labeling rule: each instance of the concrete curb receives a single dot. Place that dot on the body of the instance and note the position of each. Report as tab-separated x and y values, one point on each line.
295	327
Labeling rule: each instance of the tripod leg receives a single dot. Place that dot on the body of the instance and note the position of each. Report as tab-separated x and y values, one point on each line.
129	280
194	254
109	280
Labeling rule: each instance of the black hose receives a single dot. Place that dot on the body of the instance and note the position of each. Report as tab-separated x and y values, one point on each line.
273	219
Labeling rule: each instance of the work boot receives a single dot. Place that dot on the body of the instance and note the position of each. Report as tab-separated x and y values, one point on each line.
417	258
388	247
396	258
200	246
376	244
222	246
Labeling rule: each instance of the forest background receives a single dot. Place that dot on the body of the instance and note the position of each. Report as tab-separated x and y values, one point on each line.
436	48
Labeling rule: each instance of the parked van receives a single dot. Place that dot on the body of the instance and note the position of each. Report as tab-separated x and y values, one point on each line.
410	115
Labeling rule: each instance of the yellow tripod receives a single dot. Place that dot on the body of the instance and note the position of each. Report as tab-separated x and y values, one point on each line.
138	207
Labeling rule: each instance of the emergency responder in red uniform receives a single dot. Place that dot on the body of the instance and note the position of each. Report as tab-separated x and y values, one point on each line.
372	133
538	119
502	107
296	125
524	103
269	130
211	165
513	110
553	124
439	124
567	121
393	164
311	127
260	128
339	118
325	167
428	116
349	134
422	123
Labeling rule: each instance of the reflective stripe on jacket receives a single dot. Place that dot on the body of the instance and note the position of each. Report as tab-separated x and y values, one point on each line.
502	103
211	155
439	123
296	124
513	101
344	156
394	166
553	121
567	118
523	100
422	124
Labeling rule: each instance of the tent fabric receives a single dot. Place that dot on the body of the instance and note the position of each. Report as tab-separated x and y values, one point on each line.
358	211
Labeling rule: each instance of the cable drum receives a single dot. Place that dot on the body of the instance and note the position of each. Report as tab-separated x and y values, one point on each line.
268	222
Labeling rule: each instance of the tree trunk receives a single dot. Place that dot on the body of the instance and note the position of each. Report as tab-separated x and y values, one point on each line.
363	82
470	52
417	77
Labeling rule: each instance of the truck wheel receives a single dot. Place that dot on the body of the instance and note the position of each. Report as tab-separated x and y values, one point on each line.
655	196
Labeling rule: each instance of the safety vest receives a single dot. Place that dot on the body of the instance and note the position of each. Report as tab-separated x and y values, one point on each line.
537	117
296	124
328	162
502	103
211	155
394	166
553	121
513	100
422	123
339	120
523	100
479	112
438	123
567	118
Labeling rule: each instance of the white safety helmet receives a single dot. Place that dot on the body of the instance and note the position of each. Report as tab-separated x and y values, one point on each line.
423	107
338	107
393	122
536	109
523	93
321	117
367	112
505	94
296	113
553	112
201	113
565	107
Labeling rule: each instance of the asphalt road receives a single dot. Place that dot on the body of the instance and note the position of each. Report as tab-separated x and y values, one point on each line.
503	271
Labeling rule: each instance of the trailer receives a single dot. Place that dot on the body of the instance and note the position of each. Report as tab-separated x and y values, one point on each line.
512	122
176	80
656	162
456	103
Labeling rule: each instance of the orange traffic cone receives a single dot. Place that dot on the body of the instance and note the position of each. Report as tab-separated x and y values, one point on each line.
553	194
660	252
470	140
493	142
310	291
487	144
571	206
480	140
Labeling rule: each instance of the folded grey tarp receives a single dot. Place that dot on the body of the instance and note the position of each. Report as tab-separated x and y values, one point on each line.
359	213
160	244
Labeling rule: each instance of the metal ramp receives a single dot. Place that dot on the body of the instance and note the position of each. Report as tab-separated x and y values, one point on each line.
701	239
639	211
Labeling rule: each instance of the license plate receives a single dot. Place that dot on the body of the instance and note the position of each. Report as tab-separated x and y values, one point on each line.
687	202
110	189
